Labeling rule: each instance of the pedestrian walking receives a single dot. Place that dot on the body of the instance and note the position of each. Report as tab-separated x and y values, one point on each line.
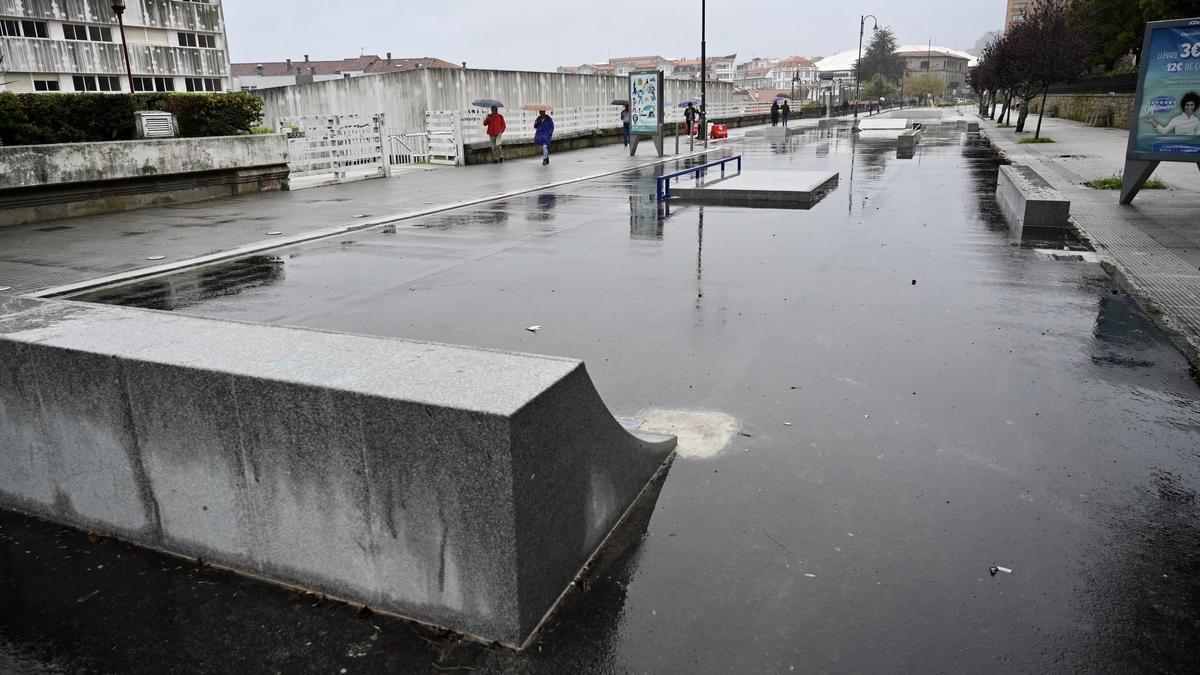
845	107
625	123
495	129
775	113
786	111
689	116
543	134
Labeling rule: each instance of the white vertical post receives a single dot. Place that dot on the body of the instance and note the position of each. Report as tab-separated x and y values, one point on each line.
384	151
459	147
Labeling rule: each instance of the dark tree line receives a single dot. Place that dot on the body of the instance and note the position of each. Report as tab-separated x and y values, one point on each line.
1115	26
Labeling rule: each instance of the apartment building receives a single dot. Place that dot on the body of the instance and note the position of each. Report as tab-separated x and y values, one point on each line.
1016	12
720	68
75	46
948	65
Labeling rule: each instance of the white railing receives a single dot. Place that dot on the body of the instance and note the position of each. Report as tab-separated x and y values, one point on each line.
408	148
335	144
450	130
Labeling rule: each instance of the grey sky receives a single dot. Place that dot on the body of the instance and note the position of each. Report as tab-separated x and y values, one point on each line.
545	34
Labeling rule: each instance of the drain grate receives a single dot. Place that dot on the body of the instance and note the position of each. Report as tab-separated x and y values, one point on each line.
1059	255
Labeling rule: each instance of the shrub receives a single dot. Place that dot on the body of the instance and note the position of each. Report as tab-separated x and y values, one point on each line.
30	119
1113	182
1042	139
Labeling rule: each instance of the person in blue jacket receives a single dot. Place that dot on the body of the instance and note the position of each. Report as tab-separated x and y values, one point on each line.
543	134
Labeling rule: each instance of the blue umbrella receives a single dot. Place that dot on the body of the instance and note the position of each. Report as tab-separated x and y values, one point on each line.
684	103
487	103
781	97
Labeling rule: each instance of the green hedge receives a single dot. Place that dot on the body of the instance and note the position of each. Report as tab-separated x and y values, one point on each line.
31	119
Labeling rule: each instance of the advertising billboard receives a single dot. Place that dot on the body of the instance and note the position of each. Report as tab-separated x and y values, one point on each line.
646	101
1166	125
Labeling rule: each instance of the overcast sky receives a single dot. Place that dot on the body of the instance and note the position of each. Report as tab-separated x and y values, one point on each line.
545	34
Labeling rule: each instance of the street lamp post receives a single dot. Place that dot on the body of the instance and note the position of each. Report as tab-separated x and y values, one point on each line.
862	22
118	7
703	79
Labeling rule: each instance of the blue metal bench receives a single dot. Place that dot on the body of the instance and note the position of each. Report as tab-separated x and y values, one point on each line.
663	183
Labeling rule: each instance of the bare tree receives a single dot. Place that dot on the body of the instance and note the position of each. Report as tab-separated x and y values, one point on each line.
1048	48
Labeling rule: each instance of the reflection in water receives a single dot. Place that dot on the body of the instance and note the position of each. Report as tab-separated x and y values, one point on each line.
700	259
544	213
646	216
194	286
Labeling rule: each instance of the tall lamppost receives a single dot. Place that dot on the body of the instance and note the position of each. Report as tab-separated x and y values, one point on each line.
862	22
119	8
703	78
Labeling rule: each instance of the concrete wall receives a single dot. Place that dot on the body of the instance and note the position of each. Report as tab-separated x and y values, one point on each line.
1080	107
458	486
405	97
38	165
47	182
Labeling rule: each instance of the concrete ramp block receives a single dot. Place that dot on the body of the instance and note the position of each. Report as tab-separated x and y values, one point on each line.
460	487
1028	200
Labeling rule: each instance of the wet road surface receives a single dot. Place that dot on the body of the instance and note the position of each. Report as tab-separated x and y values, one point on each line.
955	402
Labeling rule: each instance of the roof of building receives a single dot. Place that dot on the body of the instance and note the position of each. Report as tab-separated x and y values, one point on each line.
844	61
695	61
756	72
794	61
624	59
367	63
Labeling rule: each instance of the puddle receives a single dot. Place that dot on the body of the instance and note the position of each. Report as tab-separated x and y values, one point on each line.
701	434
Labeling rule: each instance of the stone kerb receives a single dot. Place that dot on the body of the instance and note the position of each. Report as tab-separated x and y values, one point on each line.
460	487
1028	200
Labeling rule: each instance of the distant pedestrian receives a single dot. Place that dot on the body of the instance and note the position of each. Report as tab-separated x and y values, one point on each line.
543	134
625	123
775	112
786	110
689	116
495	129
845	107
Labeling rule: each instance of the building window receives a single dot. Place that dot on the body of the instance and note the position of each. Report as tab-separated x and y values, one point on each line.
154	84
96	83
93	33
203	84
197	40
924	65
29	29
46	85
35	29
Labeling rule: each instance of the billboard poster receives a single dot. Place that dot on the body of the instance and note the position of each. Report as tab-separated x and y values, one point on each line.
645	101
1166	125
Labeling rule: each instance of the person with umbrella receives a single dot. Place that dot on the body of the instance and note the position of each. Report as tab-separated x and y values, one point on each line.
775	112
689	116
495	129
786	111
625	123
543	133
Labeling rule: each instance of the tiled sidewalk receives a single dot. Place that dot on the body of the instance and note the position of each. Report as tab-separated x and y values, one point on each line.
1153	243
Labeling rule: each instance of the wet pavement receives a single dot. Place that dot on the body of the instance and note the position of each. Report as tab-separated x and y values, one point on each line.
918	398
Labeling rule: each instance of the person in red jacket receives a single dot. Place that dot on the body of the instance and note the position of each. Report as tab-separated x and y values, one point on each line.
495	129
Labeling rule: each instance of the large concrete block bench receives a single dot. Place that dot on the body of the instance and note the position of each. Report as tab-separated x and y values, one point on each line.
460	487
1027	200
906	142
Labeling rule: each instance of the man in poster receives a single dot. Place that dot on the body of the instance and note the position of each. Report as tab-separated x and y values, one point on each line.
1186	123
